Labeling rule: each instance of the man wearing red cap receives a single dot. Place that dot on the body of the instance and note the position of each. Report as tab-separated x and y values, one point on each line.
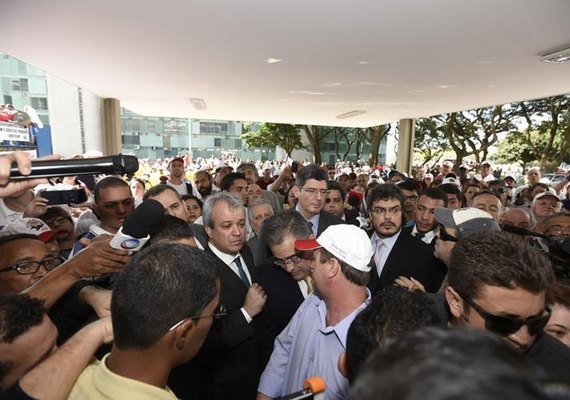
315	337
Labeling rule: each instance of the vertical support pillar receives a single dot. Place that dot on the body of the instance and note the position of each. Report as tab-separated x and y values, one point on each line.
111	127
405	154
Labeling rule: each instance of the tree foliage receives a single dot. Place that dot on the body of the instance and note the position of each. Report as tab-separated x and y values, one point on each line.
430	141
285	136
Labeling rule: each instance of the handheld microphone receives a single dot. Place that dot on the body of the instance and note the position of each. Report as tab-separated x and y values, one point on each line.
522	231
138	226
113	165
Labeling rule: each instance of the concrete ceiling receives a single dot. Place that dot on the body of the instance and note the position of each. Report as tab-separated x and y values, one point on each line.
391	58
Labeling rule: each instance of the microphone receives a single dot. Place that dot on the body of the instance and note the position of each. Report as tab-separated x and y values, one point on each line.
113	165
522	231
138	226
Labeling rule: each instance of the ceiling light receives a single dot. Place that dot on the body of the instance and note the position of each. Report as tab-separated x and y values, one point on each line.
273	60
198	104
558	57
351	114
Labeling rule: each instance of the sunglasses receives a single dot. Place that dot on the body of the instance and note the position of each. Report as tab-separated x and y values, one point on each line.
505	326
446	237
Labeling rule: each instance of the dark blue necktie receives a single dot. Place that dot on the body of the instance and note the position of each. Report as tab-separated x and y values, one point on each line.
242	274
420	235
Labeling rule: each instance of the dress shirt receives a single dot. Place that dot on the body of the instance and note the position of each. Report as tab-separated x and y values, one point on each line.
228	259
428	236
97	382
389	243
314	220
308	347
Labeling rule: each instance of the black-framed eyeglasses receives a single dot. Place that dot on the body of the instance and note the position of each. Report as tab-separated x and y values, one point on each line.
314	191
445	236
505	326
220	312
294	259
57	220
31	267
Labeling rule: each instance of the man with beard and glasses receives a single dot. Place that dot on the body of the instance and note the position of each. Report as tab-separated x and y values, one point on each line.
397	254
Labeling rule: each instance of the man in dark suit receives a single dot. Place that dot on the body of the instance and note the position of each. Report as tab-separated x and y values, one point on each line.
426	227
229	362
284	277
311	191
397	253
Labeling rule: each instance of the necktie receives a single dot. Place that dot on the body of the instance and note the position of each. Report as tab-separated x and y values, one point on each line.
420	235
309	281
310	225
378	254
242	274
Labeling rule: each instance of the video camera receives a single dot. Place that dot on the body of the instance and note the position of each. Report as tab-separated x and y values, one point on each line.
557	248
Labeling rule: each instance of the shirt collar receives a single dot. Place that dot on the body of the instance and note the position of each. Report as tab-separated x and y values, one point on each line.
225	257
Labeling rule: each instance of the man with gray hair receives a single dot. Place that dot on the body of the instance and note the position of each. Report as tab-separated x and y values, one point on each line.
312	342
235	371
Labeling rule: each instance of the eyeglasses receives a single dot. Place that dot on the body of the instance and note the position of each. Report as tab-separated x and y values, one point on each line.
445	236
220	312
505	326
57	220
295	259
31	267
313	191
385	211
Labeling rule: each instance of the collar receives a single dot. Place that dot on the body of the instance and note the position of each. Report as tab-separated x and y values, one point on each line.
388	241
225	257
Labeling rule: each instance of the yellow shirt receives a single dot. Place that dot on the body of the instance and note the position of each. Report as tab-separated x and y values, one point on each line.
97	382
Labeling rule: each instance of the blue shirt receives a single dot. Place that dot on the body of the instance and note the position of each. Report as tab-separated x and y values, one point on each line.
308	347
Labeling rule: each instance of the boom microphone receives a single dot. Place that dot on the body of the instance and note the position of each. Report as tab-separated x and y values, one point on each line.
522	231
138	226
113	165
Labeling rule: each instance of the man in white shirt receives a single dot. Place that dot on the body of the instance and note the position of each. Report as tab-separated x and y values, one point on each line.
178	180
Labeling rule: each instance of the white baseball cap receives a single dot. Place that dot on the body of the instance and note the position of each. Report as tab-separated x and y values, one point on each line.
346	242
467	220
29	226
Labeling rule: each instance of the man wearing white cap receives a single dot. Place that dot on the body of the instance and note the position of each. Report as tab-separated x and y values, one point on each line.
36	227
315	337
544	205
486	172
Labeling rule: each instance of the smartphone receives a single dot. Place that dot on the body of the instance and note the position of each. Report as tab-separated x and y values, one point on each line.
294	166
73	196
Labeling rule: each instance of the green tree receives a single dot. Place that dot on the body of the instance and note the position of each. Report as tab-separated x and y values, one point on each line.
375	135
285	136
430	141
316	135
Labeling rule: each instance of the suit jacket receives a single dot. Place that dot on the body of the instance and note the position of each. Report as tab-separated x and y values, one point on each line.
327	219
284	297
410	257
228	364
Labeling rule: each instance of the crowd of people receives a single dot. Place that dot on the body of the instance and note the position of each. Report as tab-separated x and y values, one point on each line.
254	277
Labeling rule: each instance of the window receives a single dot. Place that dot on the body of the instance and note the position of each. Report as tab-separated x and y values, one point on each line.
217	142
39	103
7	99
214	127
20	84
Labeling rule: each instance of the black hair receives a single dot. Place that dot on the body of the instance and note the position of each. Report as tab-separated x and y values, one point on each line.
435	193
333	185
159	287
228	180
283	224
450	188
434	363
157	190
394	311
192	197
384	191
311	171
170	229
108	182
410	185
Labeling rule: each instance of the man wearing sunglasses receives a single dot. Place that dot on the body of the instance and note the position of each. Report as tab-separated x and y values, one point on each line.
498	283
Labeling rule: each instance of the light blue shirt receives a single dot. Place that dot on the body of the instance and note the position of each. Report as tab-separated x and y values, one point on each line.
308	347
314	220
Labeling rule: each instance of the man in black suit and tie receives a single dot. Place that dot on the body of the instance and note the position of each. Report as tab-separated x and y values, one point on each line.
397	253
311	190
285	276
230	359
425	226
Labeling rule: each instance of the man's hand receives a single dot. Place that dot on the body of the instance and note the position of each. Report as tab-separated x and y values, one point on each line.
99	258
254	300
411	284
37	207
99	299
10	188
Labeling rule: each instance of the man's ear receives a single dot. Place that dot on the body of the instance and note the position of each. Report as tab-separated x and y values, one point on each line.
181	333
454	301
208	231
333	267
341	365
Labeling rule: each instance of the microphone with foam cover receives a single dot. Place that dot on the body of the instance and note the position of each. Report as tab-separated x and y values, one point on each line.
112	165
138	226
